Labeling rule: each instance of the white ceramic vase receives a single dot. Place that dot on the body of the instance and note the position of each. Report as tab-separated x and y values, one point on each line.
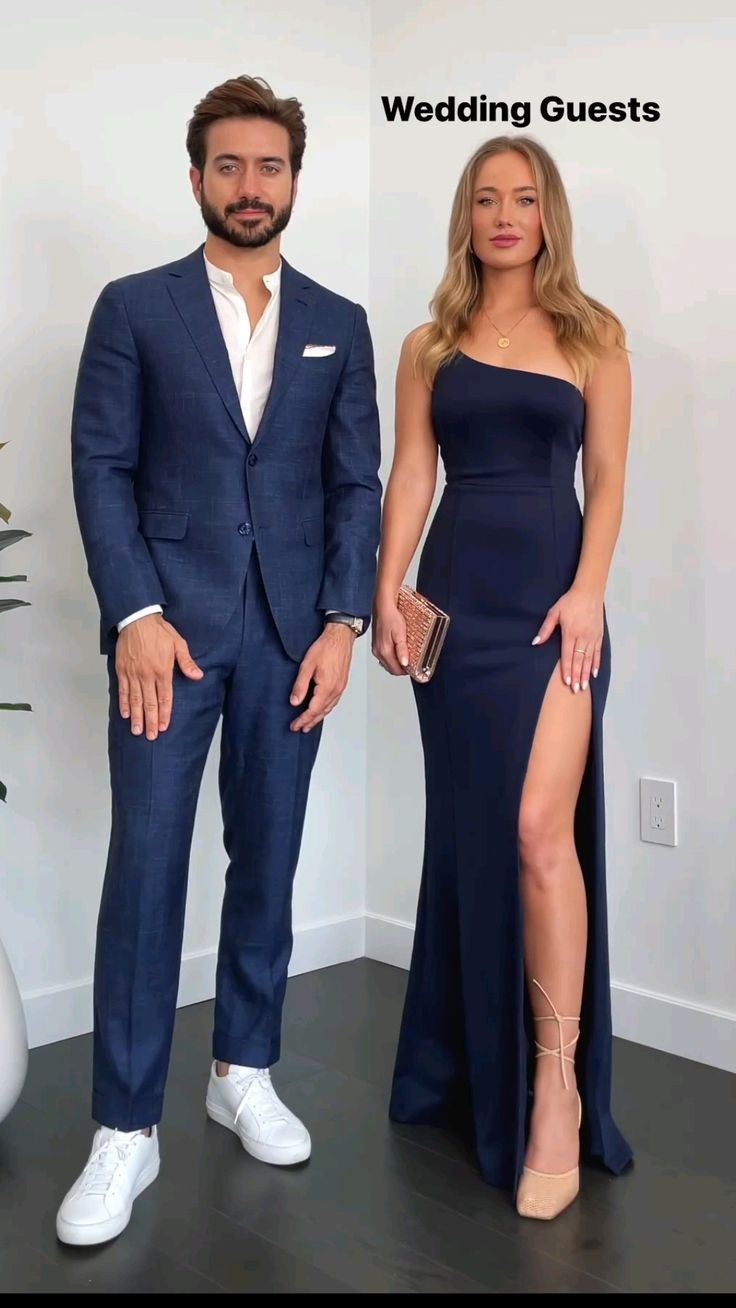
13	1038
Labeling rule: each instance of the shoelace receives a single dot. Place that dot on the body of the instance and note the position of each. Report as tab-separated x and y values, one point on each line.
101	1168
261	1097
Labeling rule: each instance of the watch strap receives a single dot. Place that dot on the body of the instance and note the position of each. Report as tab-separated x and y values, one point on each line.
356	624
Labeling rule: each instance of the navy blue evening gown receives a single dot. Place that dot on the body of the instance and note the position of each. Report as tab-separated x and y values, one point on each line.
503	546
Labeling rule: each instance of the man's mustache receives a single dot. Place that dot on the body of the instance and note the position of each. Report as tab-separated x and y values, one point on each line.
249	204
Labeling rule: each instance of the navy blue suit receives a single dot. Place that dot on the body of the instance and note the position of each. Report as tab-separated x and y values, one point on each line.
245	545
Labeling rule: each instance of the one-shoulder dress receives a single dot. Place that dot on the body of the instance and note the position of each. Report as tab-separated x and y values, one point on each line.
503	546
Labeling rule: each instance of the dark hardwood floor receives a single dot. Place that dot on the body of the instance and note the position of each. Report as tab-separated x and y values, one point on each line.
379	1208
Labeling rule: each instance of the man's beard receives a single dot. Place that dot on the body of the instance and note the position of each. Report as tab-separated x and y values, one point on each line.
250	234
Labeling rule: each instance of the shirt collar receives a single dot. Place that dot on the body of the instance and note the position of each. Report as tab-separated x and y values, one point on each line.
219	277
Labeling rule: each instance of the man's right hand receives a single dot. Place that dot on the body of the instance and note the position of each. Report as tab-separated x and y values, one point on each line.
146	652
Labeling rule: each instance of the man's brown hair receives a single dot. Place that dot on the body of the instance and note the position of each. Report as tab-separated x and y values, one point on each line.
246	97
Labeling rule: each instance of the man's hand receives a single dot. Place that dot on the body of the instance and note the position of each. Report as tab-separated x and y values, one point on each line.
146	652
327	663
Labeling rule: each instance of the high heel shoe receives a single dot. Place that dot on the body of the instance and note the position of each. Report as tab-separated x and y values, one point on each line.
545	1194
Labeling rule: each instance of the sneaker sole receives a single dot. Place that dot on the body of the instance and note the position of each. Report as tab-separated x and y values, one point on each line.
69	1233
278	1157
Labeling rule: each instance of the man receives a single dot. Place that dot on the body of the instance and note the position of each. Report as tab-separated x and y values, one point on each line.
225	455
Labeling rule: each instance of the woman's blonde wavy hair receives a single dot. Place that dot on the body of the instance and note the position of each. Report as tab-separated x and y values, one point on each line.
584	326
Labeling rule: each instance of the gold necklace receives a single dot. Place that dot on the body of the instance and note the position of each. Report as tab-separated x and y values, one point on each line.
504	340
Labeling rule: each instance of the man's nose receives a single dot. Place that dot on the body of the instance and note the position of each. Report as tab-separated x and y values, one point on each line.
250	180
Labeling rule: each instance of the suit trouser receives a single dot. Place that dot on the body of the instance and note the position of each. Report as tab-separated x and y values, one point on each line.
264	779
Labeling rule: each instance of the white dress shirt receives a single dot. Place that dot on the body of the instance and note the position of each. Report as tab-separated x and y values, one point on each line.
251	355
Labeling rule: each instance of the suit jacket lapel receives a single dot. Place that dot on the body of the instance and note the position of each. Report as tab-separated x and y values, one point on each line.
190	291
295	318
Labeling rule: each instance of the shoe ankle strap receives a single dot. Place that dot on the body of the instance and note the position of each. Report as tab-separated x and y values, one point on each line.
554	1016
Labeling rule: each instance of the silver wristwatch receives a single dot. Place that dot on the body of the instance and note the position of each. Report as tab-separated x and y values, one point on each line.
355	624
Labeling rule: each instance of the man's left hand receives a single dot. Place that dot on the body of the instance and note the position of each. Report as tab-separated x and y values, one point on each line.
327	664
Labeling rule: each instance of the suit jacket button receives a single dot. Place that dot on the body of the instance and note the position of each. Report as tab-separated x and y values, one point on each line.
244	529
252	459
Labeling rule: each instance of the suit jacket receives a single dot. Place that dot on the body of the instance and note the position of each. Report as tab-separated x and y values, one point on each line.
170	492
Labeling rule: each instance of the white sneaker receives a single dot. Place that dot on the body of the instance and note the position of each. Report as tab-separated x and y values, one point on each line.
99	1204
245	1102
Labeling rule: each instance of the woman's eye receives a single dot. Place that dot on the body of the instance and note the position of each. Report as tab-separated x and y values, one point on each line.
485	200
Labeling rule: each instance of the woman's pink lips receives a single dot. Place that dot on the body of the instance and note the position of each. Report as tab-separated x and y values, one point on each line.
506	240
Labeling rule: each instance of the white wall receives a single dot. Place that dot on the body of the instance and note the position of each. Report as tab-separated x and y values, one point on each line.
653	210
95	101
94	105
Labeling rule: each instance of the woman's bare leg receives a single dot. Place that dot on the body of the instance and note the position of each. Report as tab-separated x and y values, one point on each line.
555	914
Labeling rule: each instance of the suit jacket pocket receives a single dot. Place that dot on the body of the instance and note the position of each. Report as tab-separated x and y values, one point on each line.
160	523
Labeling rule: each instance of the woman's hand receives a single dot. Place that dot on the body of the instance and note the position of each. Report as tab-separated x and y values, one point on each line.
389	637
580	616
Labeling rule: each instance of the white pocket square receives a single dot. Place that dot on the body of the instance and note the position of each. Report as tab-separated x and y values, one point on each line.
318	351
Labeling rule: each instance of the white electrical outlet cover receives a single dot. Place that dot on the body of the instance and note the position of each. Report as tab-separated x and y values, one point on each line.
657	811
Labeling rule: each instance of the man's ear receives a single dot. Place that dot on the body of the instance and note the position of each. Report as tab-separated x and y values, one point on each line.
295	187
195	177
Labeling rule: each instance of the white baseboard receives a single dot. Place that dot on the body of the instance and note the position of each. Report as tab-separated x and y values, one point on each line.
707	1035
673	1025
388	940
689	1030
61	1012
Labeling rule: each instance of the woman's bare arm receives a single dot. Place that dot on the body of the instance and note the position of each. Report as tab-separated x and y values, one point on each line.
579	612
607	420
409	494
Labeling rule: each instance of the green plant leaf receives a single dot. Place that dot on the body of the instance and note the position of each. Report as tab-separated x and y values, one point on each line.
7	605
13	579
10	537
4	513
26	707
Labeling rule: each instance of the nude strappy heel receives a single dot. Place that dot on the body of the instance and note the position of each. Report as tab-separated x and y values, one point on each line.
543	1194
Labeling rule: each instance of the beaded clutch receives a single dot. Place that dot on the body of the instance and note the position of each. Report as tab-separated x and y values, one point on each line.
426	628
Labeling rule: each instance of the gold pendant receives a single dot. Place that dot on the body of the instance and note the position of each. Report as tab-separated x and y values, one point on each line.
504	342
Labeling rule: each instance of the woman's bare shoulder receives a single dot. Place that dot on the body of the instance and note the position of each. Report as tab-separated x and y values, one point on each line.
609	337
416	333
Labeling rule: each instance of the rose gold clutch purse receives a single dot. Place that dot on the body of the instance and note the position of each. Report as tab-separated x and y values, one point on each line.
426	628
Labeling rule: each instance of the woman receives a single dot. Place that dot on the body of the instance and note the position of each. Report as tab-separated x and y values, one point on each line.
517	369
